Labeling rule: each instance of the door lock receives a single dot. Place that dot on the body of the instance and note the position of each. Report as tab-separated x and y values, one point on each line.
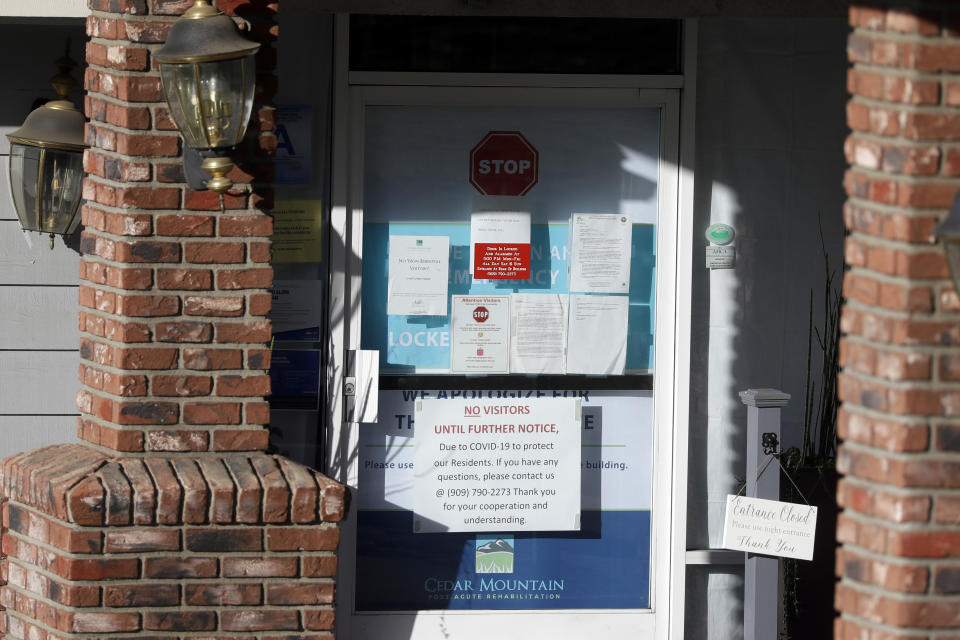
360	385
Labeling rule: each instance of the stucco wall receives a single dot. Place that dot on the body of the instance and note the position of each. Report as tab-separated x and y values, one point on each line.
769	161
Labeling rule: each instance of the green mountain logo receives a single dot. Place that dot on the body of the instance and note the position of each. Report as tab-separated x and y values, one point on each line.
494	555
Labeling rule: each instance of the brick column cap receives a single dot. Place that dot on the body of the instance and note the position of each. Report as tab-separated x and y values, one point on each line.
79	485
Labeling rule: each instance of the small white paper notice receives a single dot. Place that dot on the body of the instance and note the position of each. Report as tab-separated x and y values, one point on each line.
600	252
721	257
538	333
769	527
597	335
417	282
480	334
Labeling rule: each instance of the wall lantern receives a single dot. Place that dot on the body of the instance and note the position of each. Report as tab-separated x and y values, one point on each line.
46	161
208	75
948	233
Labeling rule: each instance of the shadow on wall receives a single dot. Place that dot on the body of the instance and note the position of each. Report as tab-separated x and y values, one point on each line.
25	87
769	162
35	47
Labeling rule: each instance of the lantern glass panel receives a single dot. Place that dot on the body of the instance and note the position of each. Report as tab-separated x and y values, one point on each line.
24	162
210	101
59	174
60	189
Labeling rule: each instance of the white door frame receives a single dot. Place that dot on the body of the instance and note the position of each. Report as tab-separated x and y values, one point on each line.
352	92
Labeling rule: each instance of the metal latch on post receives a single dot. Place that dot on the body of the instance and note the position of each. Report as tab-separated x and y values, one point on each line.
770	443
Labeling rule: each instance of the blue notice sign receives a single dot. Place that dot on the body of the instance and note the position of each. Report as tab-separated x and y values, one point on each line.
605	565
295	372
293	159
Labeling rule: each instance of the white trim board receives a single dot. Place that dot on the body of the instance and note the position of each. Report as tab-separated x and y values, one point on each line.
44	9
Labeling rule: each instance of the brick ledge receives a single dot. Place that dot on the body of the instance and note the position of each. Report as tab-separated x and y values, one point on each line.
79	485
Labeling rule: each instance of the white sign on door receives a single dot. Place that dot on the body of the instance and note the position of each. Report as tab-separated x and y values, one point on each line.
480	326
497	465
417	282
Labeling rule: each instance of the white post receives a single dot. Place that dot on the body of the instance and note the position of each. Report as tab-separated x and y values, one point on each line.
761	573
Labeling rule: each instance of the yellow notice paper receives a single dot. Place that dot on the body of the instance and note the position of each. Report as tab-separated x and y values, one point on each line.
298	231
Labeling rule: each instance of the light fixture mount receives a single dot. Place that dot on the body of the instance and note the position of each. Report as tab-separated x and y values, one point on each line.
948	233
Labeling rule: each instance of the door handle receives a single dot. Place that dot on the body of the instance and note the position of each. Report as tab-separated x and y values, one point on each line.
361	385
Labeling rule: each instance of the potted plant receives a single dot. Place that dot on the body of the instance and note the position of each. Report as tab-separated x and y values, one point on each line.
810	476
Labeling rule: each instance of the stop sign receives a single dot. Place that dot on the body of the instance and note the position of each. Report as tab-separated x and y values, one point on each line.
504	163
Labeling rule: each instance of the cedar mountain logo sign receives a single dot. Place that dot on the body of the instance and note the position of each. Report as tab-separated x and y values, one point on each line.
504	163
494	555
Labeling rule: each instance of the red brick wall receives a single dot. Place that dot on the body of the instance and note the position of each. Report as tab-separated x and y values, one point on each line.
169	520
173	294
244	545
899	561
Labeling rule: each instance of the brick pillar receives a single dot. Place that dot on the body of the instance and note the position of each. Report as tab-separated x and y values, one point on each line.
169	519
899	533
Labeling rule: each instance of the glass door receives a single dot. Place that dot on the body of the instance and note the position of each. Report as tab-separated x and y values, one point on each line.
515	247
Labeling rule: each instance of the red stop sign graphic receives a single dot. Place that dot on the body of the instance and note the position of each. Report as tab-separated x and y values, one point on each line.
480	314
504	163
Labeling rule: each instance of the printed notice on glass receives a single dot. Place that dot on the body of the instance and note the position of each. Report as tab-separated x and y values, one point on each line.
503	464
480	333
294	136
769	527
500	243
538	333
297	305
417	280
597	335
297	231
600	252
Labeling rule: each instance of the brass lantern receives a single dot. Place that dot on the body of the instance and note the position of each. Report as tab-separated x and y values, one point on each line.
948	233
207	71
46	161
